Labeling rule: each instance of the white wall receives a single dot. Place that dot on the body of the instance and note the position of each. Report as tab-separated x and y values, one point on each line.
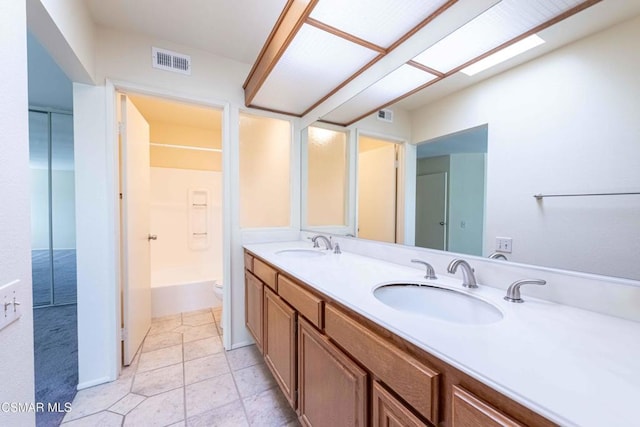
173	261
566	122
16	341
66	30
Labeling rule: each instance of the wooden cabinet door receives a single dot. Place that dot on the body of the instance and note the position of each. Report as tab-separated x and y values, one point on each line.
390	412
253	310
469	411
332	387
280	343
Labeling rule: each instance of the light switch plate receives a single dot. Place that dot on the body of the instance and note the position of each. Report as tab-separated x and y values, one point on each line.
504	244
11	308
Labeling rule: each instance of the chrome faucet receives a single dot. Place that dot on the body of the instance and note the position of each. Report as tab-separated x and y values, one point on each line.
513	293
498	255
430	274
326	241
468	278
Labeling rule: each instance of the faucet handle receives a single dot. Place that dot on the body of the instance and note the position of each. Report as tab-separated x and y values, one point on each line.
513	293
430	272
336	248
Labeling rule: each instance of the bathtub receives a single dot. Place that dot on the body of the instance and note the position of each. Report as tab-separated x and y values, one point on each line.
176	291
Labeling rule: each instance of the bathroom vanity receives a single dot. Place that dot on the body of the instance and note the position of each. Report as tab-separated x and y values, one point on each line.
342	357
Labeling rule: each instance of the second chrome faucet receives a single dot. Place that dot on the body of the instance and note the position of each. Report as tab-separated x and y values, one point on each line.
468	277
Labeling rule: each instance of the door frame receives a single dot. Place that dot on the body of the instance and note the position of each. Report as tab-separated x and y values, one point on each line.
405	182
113	88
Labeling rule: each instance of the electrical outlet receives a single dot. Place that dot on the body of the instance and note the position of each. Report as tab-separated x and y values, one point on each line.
504	244
10	310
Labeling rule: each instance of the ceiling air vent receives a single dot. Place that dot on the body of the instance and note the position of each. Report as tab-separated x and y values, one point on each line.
171	61
385	116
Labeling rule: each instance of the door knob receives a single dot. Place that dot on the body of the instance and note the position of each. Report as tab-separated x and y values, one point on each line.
441	222
152	237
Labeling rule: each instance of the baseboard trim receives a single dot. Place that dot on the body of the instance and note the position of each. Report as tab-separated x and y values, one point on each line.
242	344
92	383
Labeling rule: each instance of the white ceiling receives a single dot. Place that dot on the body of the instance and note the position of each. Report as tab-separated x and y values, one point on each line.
235	29
160	110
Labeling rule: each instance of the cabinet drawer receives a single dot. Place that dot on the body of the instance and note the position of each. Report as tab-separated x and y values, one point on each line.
416	383
468	411
307	304
248	262
265	273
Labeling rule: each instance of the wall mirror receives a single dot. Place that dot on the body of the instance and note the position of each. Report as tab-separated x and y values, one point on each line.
564	126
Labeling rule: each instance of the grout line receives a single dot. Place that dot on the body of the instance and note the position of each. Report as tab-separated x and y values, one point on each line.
240	398
184	378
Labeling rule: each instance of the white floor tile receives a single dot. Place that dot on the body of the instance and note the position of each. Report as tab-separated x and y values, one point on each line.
210	394
268	408
201	348
160	410
205	367
244	357
127	403
102	419
158	381
99	398
200	332
229	415
163	340
160	358
254	379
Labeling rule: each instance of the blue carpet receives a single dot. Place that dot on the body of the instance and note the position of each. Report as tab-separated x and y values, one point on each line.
55	332
64	276
56	359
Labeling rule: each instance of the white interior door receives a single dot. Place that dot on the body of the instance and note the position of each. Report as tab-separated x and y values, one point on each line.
377	194
136	292
431	211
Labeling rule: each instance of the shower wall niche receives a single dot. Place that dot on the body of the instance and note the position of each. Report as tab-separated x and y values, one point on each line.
53	239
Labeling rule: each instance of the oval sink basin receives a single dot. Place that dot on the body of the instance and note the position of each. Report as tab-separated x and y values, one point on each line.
441	303
300	253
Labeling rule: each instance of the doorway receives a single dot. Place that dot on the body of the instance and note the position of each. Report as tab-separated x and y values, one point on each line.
171	212
53	239
377	191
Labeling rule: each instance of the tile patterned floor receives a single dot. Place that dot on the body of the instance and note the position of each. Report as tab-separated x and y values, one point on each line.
184	377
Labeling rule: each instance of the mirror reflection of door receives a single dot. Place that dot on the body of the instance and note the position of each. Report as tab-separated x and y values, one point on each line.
431	211
450	189
377	189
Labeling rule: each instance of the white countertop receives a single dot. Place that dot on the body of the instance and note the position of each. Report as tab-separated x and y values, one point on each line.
574	367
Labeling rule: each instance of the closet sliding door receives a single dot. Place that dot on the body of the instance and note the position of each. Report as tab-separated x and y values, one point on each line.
52	208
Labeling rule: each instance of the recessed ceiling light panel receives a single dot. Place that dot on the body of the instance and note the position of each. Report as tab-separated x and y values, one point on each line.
314	64
503	22
386	21
397	83
503	55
